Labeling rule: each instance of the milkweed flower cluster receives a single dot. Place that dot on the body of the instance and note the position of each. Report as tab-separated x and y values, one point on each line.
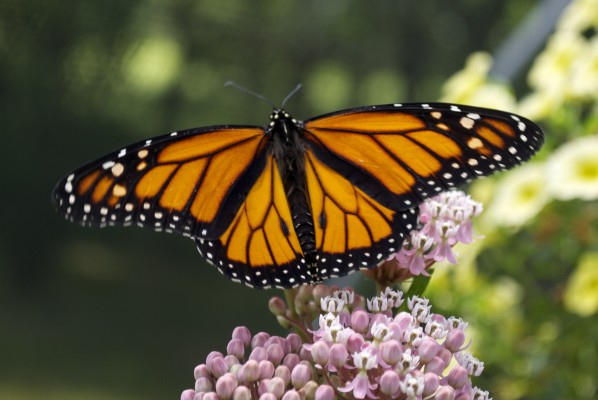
444	220
354	353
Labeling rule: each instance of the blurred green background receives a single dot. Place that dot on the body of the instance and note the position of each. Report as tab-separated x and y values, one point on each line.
128	313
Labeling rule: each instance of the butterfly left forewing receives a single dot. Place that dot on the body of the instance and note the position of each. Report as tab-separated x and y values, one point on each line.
176	183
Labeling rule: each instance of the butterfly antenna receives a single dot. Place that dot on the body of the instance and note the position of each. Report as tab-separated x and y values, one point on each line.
248	91
297	88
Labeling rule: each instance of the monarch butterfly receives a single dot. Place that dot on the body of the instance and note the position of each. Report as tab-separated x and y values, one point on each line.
296	202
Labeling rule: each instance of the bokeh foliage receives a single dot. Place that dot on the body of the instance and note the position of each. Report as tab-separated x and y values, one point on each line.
125	313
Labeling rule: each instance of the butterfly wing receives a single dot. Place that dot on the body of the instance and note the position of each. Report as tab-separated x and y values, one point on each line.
402	154
369	168
190	182
352	230
260	247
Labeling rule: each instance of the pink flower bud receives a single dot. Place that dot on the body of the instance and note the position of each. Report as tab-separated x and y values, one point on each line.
290	360
308	391
284	373
444	355
390	351
458	377
463	395
266	369
250	371
225	386
291	395
396	332
267	396
360	321
230	361
275	353
295	341
320	291
284	322
404	320
259	340
431	383
438	318
243	334
274	340
454	340
324	392
445	393
428	349
277	306
379	319
338	355
300	375
242	393
188	394
389	382
435	366
305	292
217	366
203	385
201	371
212	355
236	348
262	386
305	354
354	343
210	396
320	352
258	354
276	386
199	396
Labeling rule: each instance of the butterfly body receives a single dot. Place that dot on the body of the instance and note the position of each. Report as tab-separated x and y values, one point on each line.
288	148
298	202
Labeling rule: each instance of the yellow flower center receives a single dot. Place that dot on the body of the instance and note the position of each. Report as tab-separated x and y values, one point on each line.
588	170
528	193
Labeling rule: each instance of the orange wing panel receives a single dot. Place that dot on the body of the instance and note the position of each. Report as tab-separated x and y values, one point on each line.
353	220
256	237
369	122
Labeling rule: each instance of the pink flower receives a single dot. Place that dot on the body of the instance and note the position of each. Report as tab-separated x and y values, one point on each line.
366	355
360	385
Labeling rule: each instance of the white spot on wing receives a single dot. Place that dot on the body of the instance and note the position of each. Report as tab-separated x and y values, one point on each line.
108	164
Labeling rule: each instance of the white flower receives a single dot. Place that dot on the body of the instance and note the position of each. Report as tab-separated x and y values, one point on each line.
459	87
413	385
365	359
572	170
579	16
380	332
470	363
492	95
519	196
552	69
541	104
584	81
581	292
331	304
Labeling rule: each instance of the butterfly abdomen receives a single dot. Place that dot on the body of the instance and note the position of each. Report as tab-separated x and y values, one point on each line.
288	148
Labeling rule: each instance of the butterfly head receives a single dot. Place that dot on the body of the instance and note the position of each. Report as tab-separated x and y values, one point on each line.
282	124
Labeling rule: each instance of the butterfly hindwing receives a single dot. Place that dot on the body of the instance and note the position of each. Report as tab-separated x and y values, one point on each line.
402	154
260	247
352	230
176	183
